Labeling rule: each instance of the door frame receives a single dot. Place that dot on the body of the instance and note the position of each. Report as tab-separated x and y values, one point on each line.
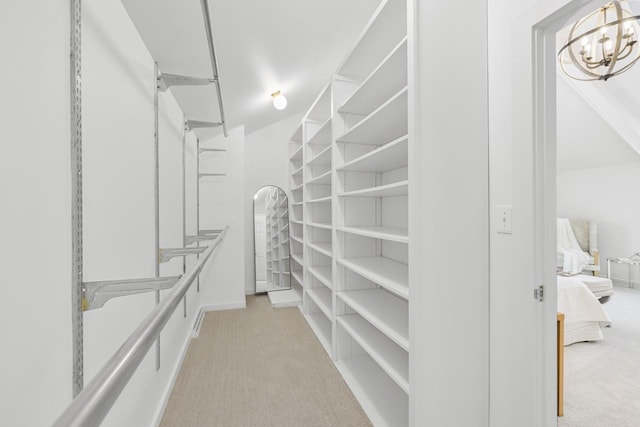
545	210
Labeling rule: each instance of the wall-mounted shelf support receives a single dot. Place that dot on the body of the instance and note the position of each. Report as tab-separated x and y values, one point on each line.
96	294
200	238
218	150
168	253
202	175
196	124
208	232
165	81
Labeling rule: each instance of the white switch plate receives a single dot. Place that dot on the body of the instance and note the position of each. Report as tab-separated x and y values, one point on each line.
504	219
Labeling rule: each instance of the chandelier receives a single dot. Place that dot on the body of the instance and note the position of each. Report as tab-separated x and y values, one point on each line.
602	44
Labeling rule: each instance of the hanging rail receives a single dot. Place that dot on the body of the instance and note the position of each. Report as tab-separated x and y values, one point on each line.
214	61
93	403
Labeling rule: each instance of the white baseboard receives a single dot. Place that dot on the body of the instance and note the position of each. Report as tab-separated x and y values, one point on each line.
174	376
192	333
228	306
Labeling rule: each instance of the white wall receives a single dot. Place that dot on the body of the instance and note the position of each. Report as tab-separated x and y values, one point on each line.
35	244
521	394
267	163
585	139
35	212
221	204
448	217
608	196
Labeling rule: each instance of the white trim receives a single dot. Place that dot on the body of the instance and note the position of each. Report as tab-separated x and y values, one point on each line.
227	306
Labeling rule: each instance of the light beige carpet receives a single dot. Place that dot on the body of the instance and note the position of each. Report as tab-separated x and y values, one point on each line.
602	378
259	366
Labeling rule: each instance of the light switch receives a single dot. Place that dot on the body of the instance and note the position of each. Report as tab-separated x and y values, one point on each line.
504	219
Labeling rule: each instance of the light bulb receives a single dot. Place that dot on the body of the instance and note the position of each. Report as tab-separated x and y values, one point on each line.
279	100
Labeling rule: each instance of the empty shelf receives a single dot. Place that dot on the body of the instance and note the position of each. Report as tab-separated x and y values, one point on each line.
297	258
322	298
383	401
325	178
391	358
321	326
298	276
389	274
321	200
323	135
390	156
322	158
384	233
322	247
297	155
326	225
387	313
386	123
323	274
389	76
396	189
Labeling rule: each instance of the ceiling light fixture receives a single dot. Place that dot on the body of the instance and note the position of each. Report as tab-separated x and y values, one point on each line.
603	44
279	100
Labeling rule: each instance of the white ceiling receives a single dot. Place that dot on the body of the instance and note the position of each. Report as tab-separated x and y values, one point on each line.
261	47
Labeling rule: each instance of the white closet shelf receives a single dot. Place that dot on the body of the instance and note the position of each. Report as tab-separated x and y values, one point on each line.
320	110
391	275
387	122
322	158
321	326
383	401
298	187
297	239
387	78
387	26
324	178
297	204
387	313
297	134
385	233
326	199
325	225
323	274
298	276
323	247
297	155
391	358
390	156
322	298
400	188
323	135
297	171
297	258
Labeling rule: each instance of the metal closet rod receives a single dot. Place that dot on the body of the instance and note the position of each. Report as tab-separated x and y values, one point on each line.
214	61
93	403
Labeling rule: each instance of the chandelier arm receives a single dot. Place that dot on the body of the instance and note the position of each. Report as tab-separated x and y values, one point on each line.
616	48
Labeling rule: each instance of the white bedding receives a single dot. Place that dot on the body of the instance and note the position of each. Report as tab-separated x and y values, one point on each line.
584	315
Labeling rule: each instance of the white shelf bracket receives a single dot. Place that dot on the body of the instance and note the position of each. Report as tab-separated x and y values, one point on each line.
165	81
196	124
168	253
96	294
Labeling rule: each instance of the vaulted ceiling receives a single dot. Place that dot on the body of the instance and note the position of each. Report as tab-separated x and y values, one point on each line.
261	47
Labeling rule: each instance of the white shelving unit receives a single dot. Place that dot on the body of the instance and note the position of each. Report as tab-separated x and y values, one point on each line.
277	240
296	212
350	235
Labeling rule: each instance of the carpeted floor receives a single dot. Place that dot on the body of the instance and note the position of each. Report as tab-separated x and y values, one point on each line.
259	366
602	379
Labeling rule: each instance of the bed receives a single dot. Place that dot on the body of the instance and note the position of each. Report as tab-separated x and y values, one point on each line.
584	315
